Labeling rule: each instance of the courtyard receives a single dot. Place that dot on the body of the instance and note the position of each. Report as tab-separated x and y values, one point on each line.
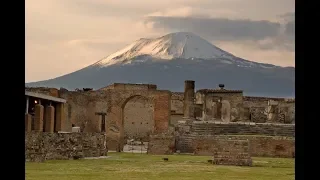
129	166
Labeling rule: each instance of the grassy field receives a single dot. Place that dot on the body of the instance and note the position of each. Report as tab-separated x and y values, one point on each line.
149	167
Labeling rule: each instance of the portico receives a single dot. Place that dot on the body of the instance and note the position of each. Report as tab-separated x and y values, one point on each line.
43	113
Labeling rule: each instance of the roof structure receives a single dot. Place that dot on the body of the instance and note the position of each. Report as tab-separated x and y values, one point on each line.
43	96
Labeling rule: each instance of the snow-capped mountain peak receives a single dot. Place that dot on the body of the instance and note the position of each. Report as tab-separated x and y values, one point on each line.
169	60
174	45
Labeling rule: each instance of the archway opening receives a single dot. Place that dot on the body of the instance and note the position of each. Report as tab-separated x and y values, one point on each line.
138	122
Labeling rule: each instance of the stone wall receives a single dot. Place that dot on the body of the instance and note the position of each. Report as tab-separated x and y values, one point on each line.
243	108
138	118
175	118
238	128
256	109
177	102
187	133
55	146
260	146
122	104
161	144
232	152
231	109
176	107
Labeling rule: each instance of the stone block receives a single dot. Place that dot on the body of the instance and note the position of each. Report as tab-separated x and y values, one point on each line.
273	103
232	152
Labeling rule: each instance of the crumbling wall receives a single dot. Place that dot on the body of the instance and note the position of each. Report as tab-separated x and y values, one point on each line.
186	133
81	107
225	105
176	107
55	146
240	128
163	143
232	152
256	109
260	146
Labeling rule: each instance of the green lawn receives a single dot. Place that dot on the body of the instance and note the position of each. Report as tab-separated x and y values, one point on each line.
149	167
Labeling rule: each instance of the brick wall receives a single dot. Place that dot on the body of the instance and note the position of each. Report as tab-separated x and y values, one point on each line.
260	146
177	102
240	128
161	144
231	152
282	146
138	118
162	111
53	146
81	107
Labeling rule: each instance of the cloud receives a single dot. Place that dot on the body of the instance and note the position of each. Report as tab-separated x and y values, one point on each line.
64	36
218	28
264	34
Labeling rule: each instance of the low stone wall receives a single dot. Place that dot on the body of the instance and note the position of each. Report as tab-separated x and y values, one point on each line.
232	152
237	128
41	146
260	146
161	144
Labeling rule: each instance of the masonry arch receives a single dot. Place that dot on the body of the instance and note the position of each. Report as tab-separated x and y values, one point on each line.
137	117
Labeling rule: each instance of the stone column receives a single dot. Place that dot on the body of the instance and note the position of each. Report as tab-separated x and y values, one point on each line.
28	122
60	119
38	118
49	119
188	104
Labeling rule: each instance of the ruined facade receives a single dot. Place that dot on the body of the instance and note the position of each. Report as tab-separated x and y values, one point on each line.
135	111
122	111
231	106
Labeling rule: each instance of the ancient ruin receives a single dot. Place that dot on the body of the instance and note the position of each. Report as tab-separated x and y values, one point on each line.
168	121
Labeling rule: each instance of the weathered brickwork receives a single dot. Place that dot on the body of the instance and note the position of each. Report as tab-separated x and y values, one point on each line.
138	110
260	146
235	107
40	146
161	144
258	109
232	152
231	106
271	140
123	107
138	118
216	128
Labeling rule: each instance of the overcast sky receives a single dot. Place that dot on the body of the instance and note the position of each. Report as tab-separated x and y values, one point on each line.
63	36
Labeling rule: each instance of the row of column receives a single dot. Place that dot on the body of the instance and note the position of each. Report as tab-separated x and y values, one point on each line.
48	117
